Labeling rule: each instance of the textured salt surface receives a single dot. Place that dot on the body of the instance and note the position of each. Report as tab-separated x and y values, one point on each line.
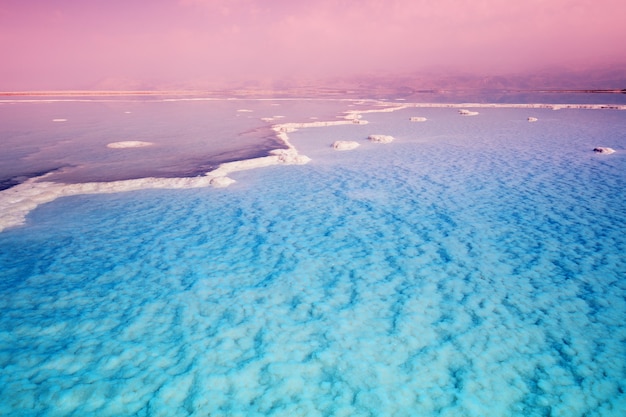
472	267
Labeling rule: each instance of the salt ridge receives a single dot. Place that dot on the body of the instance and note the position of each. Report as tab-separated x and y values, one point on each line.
18	201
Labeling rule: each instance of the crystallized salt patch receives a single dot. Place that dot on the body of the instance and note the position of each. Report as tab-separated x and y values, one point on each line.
345	145
601	149
128	144
381	138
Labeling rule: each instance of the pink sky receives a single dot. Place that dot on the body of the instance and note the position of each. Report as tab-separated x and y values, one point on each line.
77	44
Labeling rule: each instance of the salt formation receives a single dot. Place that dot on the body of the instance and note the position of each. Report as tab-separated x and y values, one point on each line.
355	118
532	119
221	182
345	145
128	144
16	202
465	112
380	138
417	119
271	119
601	149
290	157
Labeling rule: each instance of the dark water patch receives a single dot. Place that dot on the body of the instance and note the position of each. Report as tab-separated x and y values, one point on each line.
12	181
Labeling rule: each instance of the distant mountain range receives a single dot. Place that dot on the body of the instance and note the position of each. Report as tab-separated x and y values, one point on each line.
603	80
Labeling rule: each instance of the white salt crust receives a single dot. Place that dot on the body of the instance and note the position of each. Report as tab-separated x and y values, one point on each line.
380	138
128	144
604	150
16	202
345	145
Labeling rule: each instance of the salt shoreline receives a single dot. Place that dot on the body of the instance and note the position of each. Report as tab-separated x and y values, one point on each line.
16	202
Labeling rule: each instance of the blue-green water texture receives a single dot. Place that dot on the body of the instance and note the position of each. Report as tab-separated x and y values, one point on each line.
476	266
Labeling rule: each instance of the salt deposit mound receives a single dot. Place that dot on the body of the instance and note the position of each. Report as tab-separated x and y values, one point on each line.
290	157
128	144
464	112
221	182
604	150
381	138
345	145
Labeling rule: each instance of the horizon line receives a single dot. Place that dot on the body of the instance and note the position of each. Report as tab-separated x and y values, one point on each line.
264	91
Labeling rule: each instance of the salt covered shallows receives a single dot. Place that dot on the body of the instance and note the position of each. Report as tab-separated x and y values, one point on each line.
18	201
478	278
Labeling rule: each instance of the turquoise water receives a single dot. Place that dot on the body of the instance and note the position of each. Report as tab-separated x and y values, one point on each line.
473	267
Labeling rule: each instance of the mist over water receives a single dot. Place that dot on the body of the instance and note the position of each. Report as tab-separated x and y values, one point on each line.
473	267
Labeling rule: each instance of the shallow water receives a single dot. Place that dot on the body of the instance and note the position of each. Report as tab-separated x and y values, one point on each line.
472	267
189	137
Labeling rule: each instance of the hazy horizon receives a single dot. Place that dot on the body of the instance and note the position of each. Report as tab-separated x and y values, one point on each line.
67	45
